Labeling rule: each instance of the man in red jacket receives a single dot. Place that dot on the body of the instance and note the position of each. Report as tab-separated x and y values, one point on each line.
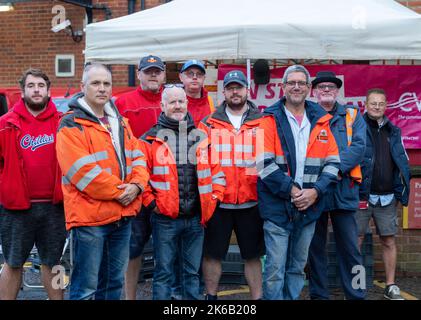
30	190
142	107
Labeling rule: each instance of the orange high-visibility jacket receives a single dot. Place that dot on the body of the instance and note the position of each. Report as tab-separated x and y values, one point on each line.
351	114
92	170
277	164
163	184
236	151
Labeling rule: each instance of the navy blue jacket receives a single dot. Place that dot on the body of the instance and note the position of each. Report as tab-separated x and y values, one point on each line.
274	189
344	195
401	173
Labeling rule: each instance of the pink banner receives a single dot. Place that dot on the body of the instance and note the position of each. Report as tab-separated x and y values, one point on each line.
401	83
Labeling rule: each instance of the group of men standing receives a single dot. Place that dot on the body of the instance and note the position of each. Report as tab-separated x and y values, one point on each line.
164	161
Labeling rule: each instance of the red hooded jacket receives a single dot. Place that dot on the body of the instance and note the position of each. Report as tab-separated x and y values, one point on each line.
14	193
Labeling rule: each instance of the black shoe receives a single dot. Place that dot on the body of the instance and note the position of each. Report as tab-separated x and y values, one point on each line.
211	297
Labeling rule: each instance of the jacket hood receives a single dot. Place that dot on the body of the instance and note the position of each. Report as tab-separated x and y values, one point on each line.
252	113
168	123
82	110
22	111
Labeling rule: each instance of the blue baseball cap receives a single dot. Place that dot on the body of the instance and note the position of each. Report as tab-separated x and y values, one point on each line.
151	61
193	63
235	76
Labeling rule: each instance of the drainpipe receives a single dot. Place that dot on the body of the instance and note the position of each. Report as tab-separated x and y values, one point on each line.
131	69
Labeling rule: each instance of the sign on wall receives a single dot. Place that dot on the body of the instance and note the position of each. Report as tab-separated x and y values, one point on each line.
412	214
401	83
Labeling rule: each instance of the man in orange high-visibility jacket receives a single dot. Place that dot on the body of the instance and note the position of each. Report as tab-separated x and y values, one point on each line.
200	105
104	173
142	108
299	162
341	203
184	191
234	132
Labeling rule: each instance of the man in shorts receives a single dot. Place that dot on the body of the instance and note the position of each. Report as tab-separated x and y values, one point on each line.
30	188
233	127
385	183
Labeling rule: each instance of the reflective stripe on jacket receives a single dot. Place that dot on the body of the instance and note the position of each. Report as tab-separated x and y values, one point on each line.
351	115
163	184
92	170
348	127
277	165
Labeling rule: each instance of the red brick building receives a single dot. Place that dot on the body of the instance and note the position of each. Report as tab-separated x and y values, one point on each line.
26	40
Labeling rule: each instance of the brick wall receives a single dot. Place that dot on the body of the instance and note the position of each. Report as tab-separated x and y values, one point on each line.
30	42
414	5
26	39
409	252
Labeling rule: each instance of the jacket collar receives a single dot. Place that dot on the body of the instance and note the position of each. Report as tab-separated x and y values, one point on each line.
82	111
251	114
19	111
315	113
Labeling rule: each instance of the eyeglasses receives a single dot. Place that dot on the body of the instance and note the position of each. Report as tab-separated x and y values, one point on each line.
375	104
174	85
329	87
236	88
292	84
191	74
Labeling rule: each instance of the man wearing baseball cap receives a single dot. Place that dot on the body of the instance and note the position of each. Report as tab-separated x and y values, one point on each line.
142	107
233	128
192	75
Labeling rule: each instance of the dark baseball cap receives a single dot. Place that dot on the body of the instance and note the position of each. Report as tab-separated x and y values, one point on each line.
235	76
193	63
151	62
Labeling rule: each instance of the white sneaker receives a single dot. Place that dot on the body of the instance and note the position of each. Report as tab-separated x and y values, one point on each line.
392	292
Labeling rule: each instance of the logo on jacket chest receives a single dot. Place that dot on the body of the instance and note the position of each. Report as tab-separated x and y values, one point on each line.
323	137
34	143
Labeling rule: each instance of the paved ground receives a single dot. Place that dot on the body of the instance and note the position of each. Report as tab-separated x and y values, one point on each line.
411	288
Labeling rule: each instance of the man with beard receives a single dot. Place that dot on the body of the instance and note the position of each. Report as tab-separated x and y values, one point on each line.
341	203
233	129
30	189
299	162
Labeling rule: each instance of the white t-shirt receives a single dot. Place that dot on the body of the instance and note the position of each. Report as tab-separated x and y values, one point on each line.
236	120
301	135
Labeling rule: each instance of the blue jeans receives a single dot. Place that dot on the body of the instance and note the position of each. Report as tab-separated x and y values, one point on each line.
101	255
172	237
286	257
176	283
345	230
